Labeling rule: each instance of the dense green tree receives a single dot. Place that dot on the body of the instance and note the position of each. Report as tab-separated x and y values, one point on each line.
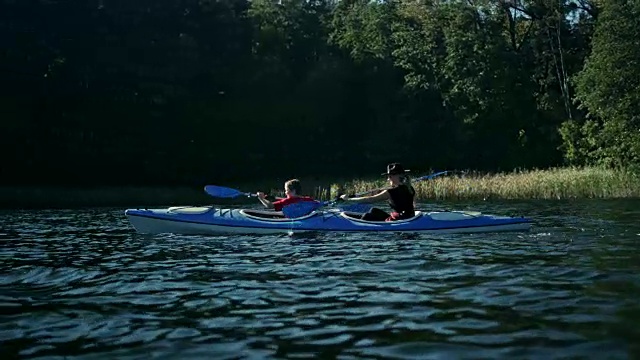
201	91
609	89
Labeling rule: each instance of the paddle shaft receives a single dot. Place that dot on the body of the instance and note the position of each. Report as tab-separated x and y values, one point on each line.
422	178
225	192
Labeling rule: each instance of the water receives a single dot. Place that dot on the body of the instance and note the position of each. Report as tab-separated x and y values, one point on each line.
82	284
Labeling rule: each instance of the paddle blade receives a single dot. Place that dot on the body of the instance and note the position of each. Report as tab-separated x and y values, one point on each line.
430	176
223	192
300	209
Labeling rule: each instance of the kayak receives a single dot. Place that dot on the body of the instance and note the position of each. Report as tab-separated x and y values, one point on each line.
206	220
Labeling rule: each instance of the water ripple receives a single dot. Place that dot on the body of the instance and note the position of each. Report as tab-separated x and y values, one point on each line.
83	284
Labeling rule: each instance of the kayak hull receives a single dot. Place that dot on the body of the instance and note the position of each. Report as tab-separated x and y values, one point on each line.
212	221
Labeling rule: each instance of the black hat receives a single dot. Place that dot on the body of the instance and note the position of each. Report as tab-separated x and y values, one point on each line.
395	169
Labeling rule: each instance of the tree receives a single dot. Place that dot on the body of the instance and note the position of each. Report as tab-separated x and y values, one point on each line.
609	88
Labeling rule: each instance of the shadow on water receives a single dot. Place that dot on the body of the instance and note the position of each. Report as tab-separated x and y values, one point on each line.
83	283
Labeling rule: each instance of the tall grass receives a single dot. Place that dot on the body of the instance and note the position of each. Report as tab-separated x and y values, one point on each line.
555	183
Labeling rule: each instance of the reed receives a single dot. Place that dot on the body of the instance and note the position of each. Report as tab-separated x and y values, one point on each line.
554	183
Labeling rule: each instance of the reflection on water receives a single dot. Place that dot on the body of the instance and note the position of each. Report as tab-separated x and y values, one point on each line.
82	283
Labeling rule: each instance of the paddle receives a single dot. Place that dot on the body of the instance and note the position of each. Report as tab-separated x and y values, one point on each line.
304	208
225	192
422	178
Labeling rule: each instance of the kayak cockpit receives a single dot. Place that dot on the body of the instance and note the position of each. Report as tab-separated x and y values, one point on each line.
356	217
189	210
270	215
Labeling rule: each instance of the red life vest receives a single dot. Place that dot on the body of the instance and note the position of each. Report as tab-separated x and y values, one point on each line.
278	205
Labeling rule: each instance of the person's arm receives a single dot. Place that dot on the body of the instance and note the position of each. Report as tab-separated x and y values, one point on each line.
262	197
384	195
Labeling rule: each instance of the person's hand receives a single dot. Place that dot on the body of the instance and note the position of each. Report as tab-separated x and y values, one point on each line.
261	195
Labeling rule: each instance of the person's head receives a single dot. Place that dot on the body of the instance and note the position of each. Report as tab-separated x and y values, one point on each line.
395	174
292	187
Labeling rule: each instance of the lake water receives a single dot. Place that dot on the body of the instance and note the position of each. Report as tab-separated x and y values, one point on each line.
83	284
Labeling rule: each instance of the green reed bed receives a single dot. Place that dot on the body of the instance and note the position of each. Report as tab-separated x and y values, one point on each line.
555	183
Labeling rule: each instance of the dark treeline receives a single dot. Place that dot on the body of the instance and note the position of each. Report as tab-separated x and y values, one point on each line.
163	92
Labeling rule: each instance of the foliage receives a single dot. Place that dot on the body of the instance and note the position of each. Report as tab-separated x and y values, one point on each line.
193	92
609	88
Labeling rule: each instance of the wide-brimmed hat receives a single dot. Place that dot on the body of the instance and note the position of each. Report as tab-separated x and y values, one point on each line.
395	169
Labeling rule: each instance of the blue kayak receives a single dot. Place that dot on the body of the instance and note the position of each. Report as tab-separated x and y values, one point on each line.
204	220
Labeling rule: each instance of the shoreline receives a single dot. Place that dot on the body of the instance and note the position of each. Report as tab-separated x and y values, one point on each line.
550	184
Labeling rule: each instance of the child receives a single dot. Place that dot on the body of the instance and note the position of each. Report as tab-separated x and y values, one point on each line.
291	189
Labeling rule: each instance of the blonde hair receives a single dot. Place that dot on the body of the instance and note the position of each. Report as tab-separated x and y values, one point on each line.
294	185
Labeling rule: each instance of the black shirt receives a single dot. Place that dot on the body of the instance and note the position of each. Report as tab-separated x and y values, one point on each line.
401	200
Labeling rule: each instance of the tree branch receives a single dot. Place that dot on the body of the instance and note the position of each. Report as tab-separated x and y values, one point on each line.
513	5
589	7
